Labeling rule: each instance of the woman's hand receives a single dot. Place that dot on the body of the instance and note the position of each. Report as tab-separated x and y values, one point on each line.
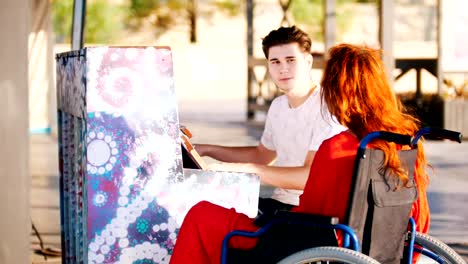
234	167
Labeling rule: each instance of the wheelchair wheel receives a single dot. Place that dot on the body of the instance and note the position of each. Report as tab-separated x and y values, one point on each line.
439	248
323	254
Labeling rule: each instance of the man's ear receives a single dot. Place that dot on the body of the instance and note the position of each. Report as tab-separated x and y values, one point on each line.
310	60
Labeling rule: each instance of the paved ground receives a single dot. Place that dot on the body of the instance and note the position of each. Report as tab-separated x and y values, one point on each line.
448	193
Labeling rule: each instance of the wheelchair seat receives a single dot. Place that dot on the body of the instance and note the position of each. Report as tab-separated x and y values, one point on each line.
287	233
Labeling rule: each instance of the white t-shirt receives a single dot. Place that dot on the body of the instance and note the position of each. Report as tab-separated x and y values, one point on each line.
293	132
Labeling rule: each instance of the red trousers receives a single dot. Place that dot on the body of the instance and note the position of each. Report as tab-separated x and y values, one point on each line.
203	230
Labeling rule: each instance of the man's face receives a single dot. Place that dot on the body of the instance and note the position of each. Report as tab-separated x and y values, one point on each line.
289	67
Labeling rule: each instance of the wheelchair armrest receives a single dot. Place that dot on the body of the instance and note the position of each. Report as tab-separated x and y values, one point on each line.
289	217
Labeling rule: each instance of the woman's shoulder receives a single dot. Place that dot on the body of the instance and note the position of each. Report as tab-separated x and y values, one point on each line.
343	136
342	140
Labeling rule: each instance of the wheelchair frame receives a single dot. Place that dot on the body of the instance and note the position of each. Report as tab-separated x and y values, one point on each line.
350	240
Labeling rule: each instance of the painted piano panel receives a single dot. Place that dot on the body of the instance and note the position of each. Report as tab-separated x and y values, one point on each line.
123	188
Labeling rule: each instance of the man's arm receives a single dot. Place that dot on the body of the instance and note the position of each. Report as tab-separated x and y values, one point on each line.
282	177
254	154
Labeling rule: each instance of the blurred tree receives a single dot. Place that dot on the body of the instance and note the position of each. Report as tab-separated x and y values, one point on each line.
62	11
104	19
165	14
231	7
192	14
160	13
309	14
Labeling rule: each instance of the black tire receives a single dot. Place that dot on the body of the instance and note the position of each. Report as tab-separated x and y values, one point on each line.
438	247
335	254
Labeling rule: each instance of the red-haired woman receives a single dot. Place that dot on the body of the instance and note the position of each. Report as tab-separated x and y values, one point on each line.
356	90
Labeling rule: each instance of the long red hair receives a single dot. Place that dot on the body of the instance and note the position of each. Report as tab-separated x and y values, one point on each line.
356	90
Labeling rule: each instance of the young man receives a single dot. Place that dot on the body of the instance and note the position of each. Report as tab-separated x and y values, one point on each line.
297	123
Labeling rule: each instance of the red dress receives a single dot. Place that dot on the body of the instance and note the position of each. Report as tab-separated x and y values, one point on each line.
325	193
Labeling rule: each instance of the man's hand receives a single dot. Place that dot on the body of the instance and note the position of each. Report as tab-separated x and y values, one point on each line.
251	154
201	149
283	177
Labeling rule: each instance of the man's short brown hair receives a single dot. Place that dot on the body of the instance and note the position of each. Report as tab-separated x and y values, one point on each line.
286	35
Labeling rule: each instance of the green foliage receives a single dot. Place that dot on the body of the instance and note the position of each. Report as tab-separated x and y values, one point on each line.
231	7
164	14
142	8
102	23
104	19
62	12
161	13
309	15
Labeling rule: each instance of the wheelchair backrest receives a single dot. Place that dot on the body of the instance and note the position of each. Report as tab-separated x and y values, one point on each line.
380	205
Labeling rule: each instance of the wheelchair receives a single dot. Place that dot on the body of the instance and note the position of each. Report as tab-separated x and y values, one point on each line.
290	237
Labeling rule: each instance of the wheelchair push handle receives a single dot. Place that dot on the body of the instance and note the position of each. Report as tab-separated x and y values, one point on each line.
438	133
387	136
